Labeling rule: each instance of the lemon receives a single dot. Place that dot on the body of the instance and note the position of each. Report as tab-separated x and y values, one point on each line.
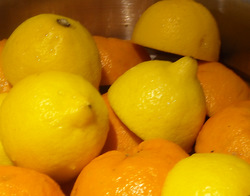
208	174
160	99
4	159
51	42
182	27
53	122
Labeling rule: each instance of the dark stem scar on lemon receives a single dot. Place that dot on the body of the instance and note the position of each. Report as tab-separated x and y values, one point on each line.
64	22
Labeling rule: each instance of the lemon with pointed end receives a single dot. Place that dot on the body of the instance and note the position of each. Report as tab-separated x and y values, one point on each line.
160	99
53	122
51	42
208	174
4	159
182	27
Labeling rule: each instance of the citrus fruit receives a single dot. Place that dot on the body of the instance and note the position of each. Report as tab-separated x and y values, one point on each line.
208	174
140	172
227	131
221	86
4	159
4	84
51	42
117	56
182	27
119	136
22	181
2	97
160	99
53	122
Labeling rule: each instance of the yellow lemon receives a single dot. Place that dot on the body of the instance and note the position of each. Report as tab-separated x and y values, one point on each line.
160	99
4	159
51	42
53	122
182	27
2	97
208	174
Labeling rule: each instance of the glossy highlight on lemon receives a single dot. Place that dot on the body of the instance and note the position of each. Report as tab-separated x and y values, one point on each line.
53	122
48	42
161	99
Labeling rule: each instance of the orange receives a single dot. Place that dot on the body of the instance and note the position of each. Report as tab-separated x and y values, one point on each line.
119	136
117	56
21	181
227	131
221	86
4	84
140	172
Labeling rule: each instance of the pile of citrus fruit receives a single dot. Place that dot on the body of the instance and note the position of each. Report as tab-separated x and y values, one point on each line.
89	115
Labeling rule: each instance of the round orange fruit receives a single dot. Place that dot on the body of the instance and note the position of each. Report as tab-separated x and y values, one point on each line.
141	172
22	181
227	131
221	86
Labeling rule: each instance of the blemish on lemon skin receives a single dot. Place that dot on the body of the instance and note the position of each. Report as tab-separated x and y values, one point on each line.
72	167
89	106
60	92
64	22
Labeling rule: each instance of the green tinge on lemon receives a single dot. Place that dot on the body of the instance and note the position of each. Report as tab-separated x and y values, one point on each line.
53	122
160	99
208	174
48	42
182	27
